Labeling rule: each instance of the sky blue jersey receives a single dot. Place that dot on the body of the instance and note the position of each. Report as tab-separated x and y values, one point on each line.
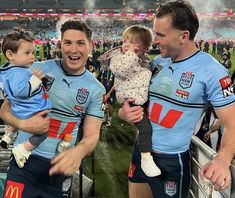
178	94
14	82
73	96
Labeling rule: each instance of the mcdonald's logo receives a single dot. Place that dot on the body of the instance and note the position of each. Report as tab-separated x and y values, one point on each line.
13	189
12	192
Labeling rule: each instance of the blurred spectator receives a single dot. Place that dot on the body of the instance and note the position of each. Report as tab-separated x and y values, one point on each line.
225	61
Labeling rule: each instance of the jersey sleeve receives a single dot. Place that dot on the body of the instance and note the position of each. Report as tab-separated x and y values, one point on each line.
19	84
219	87
95	106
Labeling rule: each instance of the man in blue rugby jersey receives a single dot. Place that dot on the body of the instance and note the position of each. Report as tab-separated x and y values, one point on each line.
184	81
75	94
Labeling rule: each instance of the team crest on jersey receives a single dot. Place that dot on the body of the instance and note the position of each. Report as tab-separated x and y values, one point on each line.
82	95
227	86
186	80
170	188
47	82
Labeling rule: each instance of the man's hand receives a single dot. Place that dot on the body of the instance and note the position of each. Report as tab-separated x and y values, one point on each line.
131	114
218	172
67	162
37	124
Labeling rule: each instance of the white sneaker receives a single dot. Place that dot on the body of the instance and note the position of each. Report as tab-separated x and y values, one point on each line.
149	167
6	141
21	155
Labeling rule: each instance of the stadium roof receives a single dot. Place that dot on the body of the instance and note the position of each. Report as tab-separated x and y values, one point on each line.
113	6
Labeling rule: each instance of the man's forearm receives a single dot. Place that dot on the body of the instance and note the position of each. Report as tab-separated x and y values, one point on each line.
227	147
87	145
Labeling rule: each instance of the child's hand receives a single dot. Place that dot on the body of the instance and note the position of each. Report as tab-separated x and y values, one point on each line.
37	73
135	49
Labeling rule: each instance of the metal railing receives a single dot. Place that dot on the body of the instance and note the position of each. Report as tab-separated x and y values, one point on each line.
201	153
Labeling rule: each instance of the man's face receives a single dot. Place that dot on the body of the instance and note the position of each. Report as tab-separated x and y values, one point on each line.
167	38
75	48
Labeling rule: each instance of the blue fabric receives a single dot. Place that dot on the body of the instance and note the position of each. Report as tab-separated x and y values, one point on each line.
178	94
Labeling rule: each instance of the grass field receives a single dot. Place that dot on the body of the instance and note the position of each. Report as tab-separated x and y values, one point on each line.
112	156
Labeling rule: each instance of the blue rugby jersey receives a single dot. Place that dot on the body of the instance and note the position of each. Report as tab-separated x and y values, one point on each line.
72	96
14	82
178	94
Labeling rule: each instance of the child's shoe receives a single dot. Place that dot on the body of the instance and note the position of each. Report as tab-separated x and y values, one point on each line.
21	155
7	138
149	167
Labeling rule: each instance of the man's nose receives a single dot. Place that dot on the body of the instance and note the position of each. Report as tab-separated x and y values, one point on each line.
155	39
74	48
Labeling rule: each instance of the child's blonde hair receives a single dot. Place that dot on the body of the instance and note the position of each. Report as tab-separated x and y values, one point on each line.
139	32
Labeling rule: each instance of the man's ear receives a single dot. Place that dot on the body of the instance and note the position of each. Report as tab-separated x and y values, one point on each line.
9	55
185	35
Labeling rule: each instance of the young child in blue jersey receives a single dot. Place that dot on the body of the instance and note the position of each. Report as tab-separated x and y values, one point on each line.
22	88
131	69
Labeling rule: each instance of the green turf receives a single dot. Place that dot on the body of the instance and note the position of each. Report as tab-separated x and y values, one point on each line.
112	158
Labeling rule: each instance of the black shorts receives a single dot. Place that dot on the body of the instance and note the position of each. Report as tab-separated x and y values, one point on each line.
175	179
33	180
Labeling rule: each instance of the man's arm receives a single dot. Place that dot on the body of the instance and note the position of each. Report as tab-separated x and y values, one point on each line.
217	170
37	124
69	161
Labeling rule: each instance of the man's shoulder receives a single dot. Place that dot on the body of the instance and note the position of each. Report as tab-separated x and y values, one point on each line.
159	60
46	65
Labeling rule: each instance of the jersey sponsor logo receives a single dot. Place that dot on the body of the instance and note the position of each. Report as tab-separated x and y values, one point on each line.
13	189
79	108
82	95
186	80
170	188
169	120
182	94
227	86
56	127
67	83
47	82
